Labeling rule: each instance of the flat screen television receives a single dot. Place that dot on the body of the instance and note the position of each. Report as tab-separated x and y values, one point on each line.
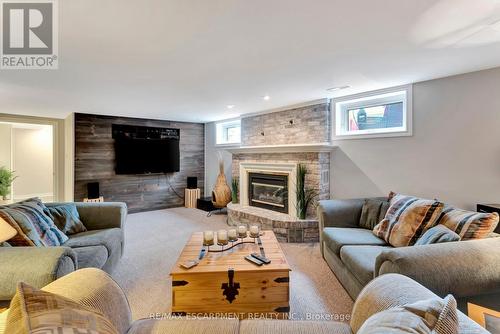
146	151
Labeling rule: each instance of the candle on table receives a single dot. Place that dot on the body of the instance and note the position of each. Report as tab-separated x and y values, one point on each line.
254	231
208	238
222	237
232	235
242	231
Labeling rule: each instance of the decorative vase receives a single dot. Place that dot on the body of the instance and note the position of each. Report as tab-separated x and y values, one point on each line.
221	194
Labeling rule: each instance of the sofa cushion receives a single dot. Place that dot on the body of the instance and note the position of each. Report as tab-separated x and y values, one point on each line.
184	326
110	238
293	327
360	260
36	311
436	235
407	219
337	237
91	256
468	224
372	213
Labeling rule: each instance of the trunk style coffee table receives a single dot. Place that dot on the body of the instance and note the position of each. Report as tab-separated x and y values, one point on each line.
226	284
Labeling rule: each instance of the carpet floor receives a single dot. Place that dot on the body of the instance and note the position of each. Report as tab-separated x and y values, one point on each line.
154	240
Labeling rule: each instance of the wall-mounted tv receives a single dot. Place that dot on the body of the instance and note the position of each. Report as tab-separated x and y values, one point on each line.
146	150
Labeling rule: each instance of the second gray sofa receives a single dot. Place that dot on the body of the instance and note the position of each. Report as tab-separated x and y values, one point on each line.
101	246
470	270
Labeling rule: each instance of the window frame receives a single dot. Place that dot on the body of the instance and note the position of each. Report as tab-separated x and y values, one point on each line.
224	125
342	105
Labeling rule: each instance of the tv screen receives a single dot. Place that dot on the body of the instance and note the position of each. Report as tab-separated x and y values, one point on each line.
146	155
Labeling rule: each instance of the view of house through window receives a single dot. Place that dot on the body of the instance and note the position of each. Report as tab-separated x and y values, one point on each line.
377	117
373	114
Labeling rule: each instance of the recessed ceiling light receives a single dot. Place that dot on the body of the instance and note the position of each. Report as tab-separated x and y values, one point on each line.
230	106
334	89
266	97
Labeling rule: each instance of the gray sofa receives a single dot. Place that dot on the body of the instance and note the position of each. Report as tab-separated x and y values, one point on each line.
101	246
470	270
95	289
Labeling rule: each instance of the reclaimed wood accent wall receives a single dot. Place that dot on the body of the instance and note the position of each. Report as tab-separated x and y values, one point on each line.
95	162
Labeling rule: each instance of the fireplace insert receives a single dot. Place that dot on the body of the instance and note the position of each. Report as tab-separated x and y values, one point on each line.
268	191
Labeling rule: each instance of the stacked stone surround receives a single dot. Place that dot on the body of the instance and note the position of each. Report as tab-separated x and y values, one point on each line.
284	227
304	125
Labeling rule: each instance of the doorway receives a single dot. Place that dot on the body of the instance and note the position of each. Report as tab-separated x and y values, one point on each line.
27	149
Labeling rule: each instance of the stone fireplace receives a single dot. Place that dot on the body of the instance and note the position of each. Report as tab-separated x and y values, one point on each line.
272	147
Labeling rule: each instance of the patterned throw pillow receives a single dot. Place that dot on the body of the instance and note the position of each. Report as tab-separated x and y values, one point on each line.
469	224
407	219
40	312
436	315
66	218
33	226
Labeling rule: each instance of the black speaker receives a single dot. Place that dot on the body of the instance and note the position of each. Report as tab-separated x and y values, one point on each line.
192	182
93	190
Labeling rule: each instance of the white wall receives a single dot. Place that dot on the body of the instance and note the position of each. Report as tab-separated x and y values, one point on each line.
5	146
212	160
33	162
453	155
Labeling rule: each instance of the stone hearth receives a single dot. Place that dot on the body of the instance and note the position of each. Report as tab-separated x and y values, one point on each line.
285	227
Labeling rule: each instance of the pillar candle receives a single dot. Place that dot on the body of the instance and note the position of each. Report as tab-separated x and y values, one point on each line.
208	238
232	235
242	231
222	237
254	231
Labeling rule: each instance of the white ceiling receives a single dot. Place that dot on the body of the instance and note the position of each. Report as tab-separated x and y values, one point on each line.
187	60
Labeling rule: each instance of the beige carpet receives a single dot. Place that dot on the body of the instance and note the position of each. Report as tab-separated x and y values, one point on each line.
153	240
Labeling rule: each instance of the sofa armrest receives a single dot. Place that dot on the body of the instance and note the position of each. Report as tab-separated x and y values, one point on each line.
392	290
463	268
37	266
98	216
94	288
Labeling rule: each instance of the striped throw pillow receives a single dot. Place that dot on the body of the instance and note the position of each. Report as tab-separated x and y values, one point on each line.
468	224
407	219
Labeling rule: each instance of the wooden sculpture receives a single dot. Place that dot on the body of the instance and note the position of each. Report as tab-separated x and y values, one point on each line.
221	195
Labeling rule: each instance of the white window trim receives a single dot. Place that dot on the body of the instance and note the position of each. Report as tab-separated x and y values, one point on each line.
227	121
363	99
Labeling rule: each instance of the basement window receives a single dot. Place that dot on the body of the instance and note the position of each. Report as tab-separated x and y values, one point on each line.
228	133
383	113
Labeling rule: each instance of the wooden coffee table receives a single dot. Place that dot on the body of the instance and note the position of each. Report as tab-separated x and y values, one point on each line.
205	289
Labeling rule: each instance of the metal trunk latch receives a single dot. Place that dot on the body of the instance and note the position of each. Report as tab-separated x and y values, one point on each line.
230	288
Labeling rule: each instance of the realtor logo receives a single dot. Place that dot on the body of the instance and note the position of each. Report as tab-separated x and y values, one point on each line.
29	34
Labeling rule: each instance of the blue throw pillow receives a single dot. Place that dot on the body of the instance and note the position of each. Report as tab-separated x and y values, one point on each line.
66	218
437	234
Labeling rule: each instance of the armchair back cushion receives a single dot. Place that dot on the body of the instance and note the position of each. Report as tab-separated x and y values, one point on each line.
36	311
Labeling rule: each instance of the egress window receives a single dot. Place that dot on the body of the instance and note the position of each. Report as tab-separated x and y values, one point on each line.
384	113
228	132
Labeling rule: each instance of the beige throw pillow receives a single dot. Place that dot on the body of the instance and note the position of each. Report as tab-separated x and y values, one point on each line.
428	316
407	219
469	224
35	311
